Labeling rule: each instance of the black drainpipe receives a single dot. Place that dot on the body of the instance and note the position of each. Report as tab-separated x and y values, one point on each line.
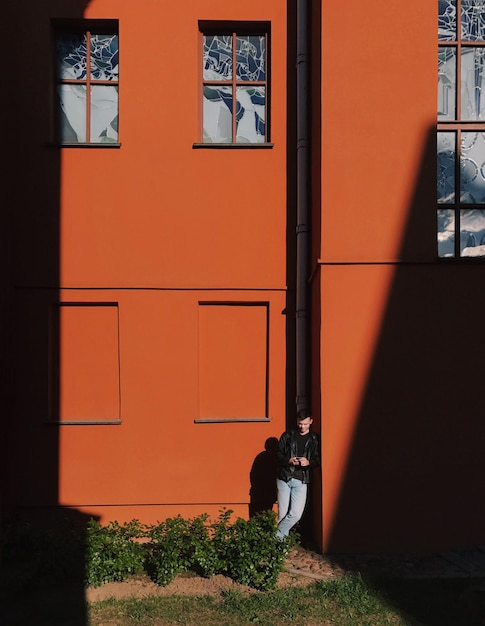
302	209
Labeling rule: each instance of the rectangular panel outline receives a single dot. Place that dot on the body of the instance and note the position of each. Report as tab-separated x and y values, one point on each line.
237	420
53	411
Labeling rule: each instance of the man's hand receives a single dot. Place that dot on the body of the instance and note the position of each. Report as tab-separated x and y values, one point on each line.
299	460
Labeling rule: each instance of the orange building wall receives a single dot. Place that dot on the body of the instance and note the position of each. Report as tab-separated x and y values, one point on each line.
141	254
178	218
148	234
157	212
392	328
158	455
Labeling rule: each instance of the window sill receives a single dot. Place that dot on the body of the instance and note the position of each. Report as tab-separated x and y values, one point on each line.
233	146
226	420
54	422
103	146
462	260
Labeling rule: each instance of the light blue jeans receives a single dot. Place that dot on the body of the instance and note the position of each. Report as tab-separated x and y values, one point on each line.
291	504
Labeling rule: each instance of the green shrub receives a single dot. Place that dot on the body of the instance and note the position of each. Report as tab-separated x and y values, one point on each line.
169	549
113	552
247	551
219	532
206	556
254	555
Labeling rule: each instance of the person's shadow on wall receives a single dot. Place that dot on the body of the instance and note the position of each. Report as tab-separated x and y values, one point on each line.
262	477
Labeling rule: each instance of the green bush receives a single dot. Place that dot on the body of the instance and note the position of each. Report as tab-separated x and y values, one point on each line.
169	549
178	544
206	555
114	552
247	551
219	532
255	556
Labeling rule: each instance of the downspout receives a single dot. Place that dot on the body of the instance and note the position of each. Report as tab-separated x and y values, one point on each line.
302	208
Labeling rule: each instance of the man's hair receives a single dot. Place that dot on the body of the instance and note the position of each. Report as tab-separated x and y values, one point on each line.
303	414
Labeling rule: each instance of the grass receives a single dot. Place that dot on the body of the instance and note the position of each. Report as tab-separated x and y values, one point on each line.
348	601
43	584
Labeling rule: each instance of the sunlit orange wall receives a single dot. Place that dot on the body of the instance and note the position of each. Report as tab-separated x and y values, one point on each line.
377	102
158	227
158	213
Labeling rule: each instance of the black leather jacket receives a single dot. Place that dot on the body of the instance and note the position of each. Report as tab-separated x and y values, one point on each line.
287	448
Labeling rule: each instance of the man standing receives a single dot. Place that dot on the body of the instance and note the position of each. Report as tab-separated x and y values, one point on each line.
298	453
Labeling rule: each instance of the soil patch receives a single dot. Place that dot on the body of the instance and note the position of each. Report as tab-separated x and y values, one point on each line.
302	567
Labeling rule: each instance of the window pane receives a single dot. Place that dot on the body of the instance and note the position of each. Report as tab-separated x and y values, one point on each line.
71	56
104	57
217	114
250	115
446	233
472	83
446	167
72	122
446	20
446	83
472	20
472	168
251	57
472	233
217	60
104	114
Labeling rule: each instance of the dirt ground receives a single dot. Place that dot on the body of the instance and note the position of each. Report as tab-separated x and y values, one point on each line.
44	606
296	573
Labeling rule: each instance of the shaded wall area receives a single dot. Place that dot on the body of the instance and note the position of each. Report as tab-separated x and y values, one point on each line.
415	469
29	278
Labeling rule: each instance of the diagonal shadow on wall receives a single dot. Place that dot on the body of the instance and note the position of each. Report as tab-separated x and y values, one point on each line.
416	466
416	469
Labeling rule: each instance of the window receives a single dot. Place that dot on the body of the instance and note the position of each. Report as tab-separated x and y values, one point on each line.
235	85
87	83
461	128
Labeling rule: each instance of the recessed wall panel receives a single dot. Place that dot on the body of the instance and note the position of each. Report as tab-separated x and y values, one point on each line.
233	357
85	385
